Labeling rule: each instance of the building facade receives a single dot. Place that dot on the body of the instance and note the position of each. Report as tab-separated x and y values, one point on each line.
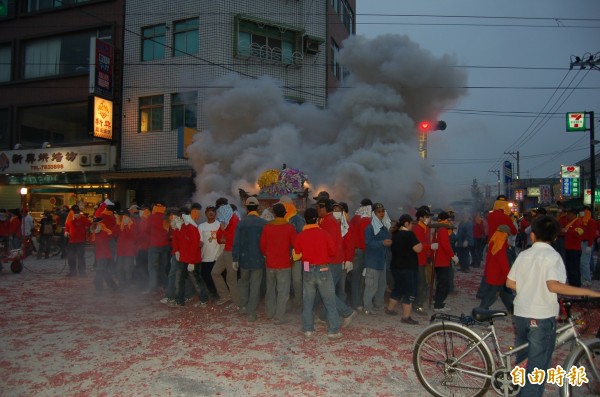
49	75
172	56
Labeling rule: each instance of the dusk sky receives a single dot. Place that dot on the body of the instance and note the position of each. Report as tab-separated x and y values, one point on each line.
516	55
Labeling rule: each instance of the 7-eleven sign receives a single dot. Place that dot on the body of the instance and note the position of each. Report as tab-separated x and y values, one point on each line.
576	121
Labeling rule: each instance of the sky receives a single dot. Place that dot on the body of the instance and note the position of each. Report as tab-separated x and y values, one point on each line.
502	56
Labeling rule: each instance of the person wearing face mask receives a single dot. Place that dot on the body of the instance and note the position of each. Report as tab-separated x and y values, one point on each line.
359	223
189	249
378	241
423	233
75	234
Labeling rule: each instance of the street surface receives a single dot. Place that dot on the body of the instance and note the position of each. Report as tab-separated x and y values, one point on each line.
58	339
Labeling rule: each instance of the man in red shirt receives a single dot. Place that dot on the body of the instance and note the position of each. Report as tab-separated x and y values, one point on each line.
572	227
75	233
102	236
423	233
443	256
159	248
276	242
315	248
358	224
126	248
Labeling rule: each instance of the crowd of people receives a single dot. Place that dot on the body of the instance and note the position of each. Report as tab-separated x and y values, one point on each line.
234	259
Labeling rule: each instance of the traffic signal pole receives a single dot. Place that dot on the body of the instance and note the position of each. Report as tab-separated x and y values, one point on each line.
592	163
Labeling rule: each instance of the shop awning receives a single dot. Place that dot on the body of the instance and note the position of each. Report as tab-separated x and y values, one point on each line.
187	173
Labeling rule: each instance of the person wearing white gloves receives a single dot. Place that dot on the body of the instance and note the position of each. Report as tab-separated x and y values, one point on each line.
189	257
443	256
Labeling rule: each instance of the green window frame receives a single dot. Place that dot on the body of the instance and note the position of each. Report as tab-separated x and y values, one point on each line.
185	37
184	110
256	38
151	114
153	42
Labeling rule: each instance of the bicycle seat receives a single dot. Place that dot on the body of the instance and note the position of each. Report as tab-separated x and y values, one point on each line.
481	314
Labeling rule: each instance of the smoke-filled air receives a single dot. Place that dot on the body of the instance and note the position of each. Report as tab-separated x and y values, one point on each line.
364	144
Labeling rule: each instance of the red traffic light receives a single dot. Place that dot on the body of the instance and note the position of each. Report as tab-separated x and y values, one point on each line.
439	125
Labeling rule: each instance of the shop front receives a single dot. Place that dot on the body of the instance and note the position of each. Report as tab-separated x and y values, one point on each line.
44	179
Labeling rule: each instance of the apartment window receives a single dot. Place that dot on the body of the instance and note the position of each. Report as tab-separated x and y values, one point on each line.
42	5
185	37
5	62
151	113
57	124
60	55
153	42
184	107
273	42
335	63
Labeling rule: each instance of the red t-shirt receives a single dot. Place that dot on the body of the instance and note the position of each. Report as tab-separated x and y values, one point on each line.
276	243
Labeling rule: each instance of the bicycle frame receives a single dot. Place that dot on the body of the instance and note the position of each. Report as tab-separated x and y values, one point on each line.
502	360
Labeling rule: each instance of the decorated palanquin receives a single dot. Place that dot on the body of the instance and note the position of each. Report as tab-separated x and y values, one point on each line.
274	184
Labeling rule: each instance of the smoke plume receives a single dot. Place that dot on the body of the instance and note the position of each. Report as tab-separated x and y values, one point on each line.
364	144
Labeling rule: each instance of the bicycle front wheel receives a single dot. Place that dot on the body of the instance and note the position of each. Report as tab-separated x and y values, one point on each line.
580	359
434	360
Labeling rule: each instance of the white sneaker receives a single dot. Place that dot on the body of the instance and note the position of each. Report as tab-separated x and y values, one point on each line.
442	309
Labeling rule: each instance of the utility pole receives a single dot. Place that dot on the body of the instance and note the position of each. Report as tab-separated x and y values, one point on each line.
591	61
497	173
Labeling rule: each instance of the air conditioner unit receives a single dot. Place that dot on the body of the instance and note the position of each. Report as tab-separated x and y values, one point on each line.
84	159
99	159
311	46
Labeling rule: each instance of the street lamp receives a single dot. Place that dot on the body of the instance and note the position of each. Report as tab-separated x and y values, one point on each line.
23	192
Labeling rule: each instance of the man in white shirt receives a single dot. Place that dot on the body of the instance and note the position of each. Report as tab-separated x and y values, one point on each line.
538	276
211	248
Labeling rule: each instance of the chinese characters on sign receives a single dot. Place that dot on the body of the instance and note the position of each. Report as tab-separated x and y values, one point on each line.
576	376
570	180
44	161
103	116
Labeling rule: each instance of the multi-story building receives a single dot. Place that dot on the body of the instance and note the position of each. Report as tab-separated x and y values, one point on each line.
175	52
157	58
55	56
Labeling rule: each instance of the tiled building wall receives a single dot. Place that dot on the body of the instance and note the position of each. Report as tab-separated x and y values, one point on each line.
158	149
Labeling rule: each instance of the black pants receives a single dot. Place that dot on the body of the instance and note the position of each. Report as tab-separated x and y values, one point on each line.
573	257
442	285
76	258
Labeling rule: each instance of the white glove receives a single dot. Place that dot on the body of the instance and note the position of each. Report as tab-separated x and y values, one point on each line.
235	266
67	234
588	249
465	244
455	259
348	266
190	267
177	255
434	246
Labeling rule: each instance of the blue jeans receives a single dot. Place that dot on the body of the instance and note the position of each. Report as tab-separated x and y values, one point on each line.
319	278
103	275
170	292
585	270
297	283
249	289
278	292
158	259
357	279
375	285
541	336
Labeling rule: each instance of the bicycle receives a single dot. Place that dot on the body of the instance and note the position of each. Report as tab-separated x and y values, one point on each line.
452	357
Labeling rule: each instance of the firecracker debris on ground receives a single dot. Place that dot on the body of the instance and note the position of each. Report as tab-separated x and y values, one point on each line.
59	339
